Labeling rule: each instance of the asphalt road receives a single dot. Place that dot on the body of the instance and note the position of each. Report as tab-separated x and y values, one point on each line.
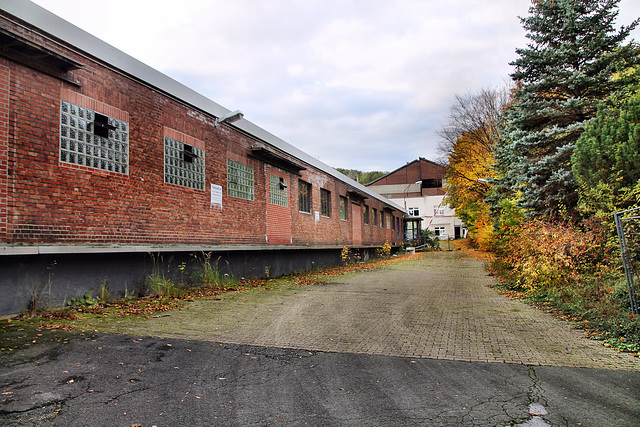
252	359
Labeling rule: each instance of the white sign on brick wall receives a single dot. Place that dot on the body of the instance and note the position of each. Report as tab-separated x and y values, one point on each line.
216	195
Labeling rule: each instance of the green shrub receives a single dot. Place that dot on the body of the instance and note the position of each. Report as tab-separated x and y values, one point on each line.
575	270
430	240
384	251
86	300
345	255
543	255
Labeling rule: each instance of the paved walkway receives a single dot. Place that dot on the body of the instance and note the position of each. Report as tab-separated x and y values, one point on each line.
438	306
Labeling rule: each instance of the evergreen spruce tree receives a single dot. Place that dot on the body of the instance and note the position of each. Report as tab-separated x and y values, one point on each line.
609	149
561	77
606	160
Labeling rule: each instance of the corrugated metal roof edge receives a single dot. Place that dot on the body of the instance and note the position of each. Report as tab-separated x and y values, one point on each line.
74	36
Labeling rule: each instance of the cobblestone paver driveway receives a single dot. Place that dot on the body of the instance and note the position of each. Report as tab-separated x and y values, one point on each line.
439	306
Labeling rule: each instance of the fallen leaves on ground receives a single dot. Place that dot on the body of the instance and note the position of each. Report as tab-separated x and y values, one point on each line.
149	305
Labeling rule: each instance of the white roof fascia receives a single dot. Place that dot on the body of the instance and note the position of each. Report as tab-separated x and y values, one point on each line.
84	41
396	188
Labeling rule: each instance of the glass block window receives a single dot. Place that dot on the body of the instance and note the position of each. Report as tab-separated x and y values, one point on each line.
304	196
343	208
91	139
183	164
365	215
240	181
325	202
388	217
277	190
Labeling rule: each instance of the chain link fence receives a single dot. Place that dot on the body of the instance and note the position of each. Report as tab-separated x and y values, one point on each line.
628	227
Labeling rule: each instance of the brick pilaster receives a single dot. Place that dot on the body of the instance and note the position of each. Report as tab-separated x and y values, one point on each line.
4	149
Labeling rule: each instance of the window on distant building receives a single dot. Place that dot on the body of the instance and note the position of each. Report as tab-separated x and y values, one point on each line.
240	182
183	164
365	215
91	139
304	196
431	183
278	194
414	212
438	210
325	202
440	231
343	208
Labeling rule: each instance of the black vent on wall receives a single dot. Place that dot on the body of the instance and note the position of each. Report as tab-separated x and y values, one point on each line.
188	154
101	125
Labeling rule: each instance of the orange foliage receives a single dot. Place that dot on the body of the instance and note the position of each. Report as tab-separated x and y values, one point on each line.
470	164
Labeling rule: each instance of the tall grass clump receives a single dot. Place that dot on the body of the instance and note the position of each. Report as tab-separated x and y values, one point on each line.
207	273
157	284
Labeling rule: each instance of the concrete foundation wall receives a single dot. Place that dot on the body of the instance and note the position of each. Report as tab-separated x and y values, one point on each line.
54	279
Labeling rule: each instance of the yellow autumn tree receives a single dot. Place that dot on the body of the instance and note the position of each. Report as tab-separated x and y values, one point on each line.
468	142
470	167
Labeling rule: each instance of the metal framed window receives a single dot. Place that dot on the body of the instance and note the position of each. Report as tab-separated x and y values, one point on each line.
381	219
278	194
343	208
304	196
374	218
240	180
365	215
325	202
94	140
183	164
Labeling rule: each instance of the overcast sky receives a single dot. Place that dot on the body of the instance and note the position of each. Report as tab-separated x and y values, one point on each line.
359	84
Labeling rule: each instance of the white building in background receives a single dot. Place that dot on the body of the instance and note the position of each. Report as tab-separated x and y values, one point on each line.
419	187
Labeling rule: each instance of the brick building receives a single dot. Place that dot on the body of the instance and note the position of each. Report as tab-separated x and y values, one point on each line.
419	187
104	160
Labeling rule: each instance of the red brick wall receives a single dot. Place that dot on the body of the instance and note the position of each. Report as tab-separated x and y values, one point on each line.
279	217
46	201
356	220
4	141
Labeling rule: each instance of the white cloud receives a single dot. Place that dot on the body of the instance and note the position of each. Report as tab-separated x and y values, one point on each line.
359	84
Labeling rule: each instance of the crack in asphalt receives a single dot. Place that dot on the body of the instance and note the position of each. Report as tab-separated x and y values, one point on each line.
507	412
32	408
